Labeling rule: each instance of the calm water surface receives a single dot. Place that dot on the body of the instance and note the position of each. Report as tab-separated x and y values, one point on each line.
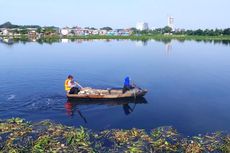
188	83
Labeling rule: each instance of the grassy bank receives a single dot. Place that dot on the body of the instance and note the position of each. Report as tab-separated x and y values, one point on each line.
155	37
148	37
17	135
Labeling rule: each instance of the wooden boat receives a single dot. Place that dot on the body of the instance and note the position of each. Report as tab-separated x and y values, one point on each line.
114	93
108	102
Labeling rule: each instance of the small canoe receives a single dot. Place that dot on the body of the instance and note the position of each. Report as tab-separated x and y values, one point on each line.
90	93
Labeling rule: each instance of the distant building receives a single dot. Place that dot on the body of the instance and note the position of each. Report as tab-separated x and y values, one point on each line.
78	31
112	33
33	35
95	32
123	32
5	32
65	31
102	32
142	26
171	22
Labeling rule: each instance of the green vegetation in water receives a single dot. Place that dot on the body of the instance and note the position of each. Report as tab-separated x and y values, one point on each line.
17	135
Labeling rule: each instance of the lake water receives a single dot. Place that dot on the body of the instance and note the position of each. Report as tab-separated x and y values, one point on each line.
188	83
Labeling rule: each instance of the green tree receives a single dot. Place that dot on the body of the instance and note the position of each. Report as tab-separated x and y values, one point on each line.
24	31
49	30
106	28
189	32
198	32
167	29
226	31
39	30
133	29
218	32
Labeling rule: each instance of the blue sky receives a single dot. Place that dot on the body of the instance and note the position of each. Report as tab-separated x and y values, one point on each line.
189	14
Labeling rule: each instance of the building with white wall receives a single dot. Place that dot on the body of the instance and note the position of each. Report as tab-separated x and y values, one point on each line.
171	22
142	26
5	32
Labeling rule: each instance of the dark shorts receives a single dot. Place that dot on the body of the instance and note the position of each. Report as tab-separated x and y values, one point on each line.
126	88
74	90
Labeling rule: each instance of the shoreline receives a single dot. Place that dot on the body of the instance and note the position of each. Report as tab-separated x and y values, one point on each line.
18	135
56	38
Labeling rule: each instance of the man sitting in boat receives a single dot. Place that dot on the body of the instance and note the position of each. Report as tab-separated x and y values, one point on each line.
127	86
71	87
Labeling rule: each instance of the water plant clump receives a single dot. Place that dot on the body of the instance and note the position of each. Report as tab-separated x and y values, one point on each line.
17	135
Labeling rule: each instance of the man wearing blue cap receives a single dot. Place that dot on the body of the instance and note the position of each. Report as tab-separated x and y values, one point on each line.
127	85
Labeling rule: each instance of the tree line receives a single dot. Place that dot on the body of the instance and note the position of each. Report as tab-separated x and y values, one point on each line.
12	26
164	30
198	32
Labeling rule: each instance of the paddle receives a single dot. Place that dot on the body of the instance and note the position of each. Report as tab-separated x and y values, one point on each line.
78	84
79	112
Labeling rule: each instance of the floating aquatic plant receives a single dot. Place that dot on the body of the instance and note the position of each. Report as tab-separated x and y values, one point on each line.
17	135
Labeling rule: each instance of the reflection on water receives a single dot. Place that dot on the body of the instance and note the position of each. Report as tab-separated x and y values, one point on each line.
139	43
8	41
168	45
65	40
168	49
73	107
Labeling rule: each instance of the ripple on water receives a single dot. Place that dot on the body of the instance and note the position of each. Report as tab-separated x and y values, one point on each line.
11	97
42	103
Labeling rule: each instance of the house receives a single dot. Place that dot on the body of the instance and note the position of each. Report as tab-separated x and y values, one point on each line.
33	35
5	32
112	33
124	32
78	32
102	32
95	32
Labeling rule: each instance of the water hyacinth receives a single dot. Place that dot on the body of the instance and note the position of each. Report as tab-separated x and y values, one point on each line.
17	135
